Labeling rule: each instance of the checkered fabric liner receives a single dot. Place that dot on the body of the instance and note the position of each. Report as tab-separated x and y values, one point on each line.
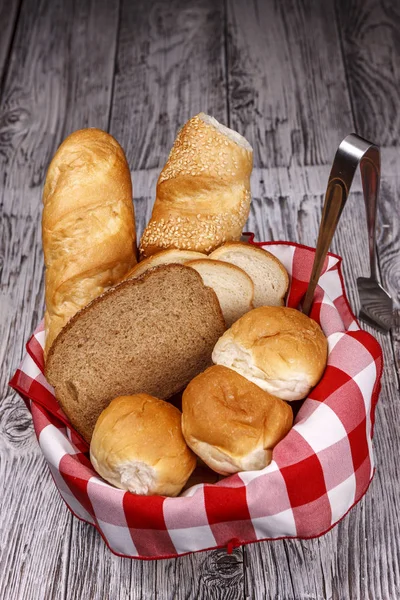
318	472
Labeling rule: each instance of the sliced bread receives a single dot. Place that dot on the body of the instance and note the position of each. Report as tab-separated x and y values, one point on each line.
269	276
165	257
234	288
152	334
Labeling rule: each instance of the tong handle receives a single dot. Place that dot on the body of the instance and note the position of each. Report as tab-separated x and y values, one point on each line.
353	151
370	167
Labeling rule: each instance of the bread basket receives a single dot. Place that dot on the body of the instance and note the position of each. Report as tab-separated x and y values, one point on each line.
319	470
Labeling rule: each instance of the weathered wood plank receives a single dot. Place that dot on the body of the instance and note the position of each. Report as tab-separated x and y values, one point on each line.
389	252
54	83
34	522
170	66
9	10
212	575
370	32
94	572
287	93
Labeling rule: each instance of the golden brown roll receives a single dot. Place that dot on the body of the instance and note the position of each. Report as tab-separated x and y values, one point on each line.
203	192
88	224
279	349
230	423
137	445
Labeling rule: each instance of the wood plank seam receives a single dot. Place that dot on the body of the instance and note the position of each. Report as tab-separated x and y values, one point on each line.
111	103
226	63
9	50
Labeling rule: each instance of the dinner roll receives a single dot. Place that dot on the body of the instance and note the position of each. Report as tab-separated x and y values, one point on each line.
230	423
137	445
279	349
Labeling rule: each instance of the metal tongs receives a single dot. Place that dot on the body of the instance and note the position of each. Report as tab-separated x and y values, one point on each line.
376	303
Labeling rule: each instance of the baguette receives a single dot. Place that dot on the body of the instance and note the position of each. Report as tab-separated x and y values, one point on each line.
88	225
203	192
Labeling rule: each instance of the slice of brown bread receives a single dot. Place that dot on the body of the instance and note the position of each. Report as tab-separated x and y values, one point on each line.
152	334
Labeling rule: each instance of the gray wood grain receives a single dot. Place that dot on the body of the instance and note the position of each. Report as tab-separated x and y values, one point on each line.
212	575
170	66
371	42
282	91
8	17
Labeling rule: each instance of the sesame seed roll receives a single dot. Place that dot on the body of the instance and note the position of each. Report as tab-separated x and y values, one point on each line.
203	192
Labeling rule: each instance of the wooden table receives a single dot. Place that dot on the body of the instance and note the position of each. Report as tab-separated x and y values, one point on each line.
294	78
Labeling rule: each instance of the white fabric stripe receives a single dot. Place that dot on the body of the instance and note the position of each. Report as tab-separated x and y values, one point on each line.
366	381
284	254
248	476
315	431
55	445
75	506
342	497
117	536
191	539
330	283
29	367
332	261
279	525
333	339
40	336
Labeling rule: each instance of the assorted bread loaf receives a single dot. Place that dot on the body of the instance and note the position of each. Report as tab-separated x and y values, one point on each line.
267	272
279	349
137	445
88	224
230	423
203	192
122	338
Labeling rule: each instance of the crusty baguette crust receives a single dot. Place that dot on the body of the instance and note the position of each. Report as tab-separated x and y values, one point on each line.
85	425
203	192
88	224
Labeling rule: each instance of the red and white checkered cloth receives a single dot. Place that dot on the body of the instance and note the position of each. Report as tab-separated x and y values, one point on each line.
318	472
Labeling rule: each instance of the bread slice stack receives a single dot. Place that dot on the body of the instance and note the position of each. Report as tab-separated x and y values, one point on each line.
243	276
234	288
269	276
150	335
